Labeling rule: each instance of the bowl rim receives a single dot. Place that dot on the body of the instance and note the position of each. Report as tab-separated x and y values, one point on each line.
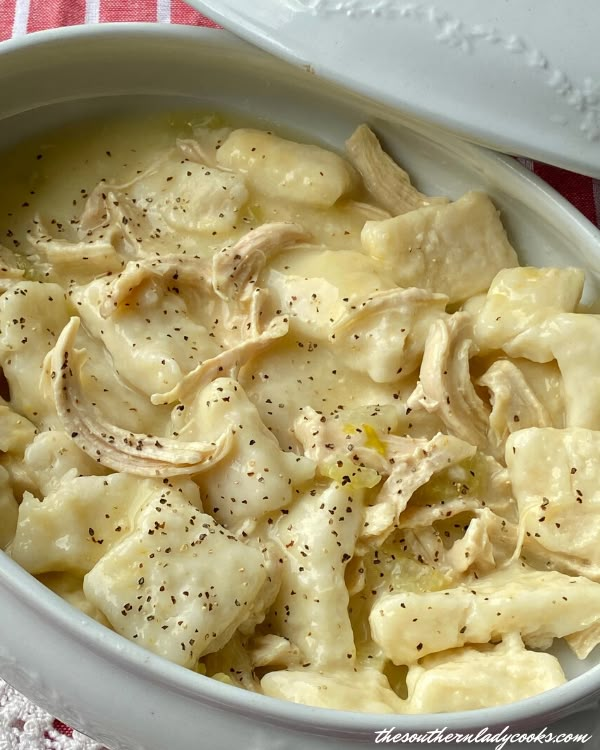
124	654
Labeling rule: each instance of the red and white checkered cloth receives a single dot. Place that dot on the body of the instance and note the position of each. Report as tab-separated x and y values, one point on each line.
30	729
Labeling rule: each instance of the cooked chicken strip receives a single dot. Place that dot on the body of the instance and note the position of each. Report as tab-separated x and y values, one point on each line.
445	386
390	299
514	404
194	151
225	364
489	541
235	269
359	434
388	183
93	254
202	148
185	268
111	216
424	516
273	651
414	463
141	454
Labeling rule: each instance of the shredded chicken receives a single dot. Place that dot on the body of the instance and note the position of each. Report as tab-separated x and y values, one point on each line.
414	463
185	268
235	269
232	665
111	216
445	386
388	183
193	151
92	254
514	404
407	300
273	651
361	435
203	147
225	364
488	543
423	516
144	455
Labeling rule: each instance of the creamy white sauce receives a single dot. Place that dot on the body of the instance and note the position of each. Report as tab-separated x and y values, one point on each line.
275	462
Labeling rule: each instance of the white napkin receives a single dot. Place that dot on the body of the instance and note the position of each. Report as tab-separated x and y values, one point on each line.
24	726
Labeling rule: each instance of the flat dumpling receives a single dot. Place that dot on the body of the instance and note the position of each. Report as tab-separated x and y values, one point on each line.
16	432
52	455
345	690
33	314
317	286
470	678
298	374
157	586
278	168
520	298
175	196
316	540
256	477
554	476
566	337
455	249
352	273
153	341
538	605
384	334
312	304
74	526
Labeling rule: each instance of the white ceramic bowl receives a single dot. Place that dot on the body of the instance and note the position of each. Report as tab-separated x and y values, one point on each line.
87	675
